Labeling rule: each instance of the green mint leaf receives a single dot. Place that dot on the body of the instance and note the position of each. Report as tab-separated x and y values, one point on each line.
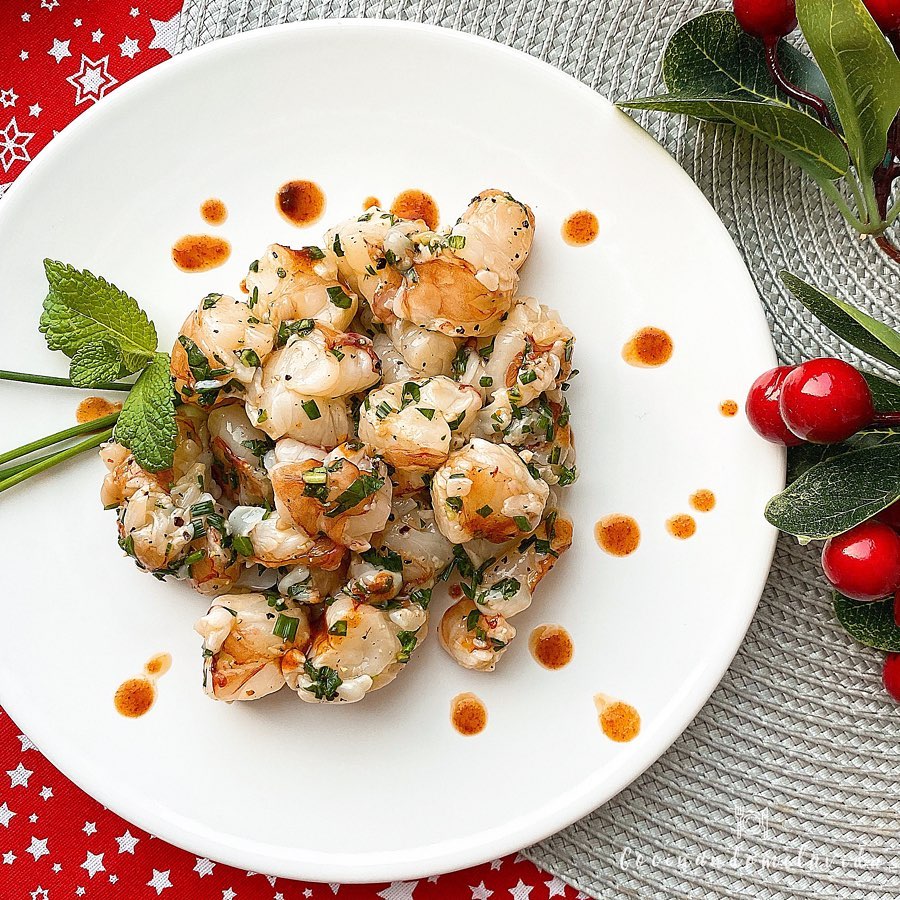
872	624
94	363
798	136
839	493
147	422
885	394
862	71
82	308
850	324
711	55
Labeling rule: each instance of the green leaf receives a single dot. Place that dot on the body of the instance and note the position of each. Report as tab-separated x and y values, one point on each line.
82	308
805	456
801	138
847	322
147	422
862	70
94	363
839	493
885	394
872	624
712	56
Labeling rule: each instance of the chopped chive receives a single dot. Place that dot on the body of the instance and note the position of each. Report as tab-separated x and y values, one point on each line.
337	296
522	523
455	503
428	413
337	353
194	557
254	266
202	509
242	544
311	408
383	409
286	627
249	358
485	511
528	377
339	628
315	252
456	241
486	381
316	476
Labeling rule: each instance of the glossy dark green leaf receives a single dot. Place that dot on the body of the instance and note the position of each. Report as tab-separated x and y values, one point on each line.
862	70
804	457
849	323
871	624
885	394
838	493
801	138
712	56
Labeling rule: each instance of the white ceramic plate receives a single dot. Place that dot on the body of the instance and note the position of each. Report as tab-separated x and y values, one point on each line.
386	789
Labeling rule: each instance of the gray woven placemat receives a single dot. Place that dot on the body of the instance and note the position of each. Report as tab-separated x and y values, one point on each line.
785	785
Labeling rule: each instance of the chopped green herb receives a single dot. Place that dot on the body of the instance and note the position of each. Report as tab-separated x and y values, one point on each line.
458	366
261	417
484	511
281	273
456	241
337	296
311	408
257	448
325	681
210	300
337	353
286	627
422	596
254	297
299	327
455	503
254	266
339	628
364	486
315	252
194	557
486	351
202	509
410	393
522	523
242	544
455	423
528	377
336	246
384	409
486	381
428	413
408	642
249	358
384	558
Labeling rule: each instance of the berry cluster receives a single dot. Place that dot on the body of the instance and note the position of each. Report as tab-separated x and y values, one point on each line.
773	19
826	401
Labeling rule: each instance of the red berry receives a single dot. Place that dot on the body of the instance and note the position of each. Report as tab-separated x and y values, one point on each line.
864	562
762	407
890	675
826	401
767	19
886	14
891	516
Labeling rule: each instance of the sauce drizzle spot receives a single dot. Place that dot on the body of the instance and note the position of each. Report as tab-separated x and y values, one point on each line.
416	204
300	202
580	228
371	201
92	408
681	526
618	535
468	714
648	348
213	211
620	721
551	646
200	252
135	696
703	500
728	408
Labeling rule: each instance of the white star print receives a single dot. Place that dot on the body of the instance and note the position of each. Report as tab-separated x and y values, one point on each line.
204	866
33	818
38	848
39	892
278	896
97	36
480	892
307	893
5	812
57	867
49	4
92	80
77	23
79	892
9	858
93	863
26	743
18	775
335	887
60	50
398	890
129	47
23	55
166	32
556	887
8	98
26	17
519	858
113	879
90	828
521	890
135	12
127	842
46	792
228	894
433	879
160	881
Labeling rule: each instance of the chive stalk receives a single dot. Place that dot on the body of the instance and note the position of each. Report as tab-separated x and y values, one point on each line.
6	375
59	436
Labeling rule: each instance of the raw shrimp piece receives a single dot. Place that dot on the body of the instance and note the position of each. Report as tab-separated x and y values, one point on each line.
485	490
238	450
286	284
242	652
415	424
474	640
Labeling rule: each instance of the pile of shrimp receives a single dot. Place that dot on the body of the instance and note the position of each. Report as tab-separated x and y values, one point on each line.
371	416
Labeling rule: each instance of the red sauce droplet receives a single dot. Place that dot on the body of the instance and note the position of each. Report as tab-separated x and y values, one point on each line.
214	211
158	665
551	646
92	408
681	526
728	408
243	286
300	202
416	204
580	228
371	201
200	252
468	714
648	348
618	535
134	697
703	500
455	591
620	721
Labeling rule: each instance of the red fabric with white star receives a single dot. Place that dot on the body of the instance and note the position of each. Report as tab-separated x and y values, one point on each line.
58	58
